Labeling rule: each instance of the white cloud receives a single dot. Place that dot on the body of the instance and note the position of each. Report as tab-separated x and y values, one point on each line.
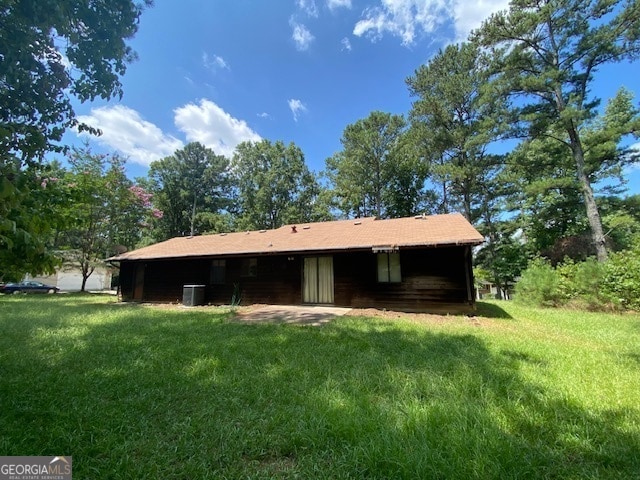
210	125
123	129
308	6
301	36
214	63
334	4
263	115
409	19
346	44
296	107
635	149
468	16
402	18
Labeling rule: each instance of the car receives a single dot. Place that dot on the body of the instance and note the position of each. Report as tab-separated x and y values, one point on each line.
28	286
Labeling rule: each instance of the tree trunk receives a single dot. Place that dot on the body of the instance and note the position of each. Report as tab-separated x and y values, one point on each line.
445	197
86	270
593	215
378	189
193	216
466	199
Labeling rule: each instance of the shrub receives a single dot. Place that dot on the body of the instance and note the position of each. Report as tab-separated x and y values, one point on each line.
540	284
614	284
581	284
621	282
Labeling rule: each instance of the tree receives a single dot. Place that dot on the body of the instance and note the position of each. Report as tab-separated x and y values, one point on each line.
547	199
545	54
377	172
621	216
504	254
274	186
51	52
188	187
454	121
29	216
551	200
104	210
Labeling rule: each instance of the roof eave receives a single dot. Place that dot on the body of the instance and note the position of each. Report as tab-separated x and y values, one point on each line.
367	247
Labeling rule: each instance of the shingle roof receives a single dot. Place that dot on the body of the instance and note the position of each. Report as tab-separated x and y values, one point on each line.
357	234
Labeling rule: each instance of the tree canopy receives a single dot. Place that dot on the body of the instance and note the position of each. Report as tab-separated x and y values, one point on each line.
377	172
274	186
545	54
187	186
103	213
455	120
51	51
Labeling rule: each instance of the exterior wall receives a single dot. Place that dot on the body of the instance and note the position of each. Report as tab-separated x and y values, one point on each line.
277	280
433	280
438	280
70	279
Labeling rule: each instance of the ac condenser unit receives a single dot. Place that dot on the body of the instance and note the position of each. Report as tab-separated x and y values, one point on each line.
193	295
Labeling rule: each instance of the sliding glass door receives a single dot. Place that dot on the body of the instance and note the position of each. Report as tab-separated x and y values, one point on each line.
318	280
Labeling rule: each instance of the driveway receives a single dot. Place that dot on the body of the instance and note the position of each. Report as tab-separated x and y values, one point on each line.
293	314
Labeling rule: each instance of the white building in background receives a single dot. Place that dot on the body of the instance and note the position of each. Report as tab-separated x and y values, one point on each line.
70	279
489	291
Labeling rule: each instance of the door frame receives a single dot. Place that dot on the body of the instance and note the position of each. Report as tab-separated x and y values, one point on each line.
138	282
317	282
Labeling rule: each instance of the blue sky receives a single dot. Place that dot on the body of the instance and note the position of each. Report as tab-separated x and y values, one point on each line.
222	72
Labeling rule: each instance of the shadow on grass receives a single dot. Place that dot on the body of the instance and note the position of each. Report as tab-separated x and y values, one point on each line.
635	357
149	394
491	310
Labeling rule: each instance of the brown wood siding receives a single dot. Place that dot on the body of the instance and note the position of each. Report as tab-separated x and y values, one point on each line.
164	281
277	280
126	276
434	279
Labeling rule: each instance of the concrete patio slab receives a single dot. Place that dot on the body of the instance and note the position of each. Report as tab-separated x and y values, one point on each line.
292	314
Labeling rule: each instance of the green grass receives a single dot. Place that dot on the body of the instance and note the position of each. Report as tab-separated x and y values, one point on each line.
140	392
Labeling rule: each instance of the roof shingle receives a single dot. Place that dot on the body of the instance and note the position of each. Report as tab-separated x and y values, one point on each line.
357	234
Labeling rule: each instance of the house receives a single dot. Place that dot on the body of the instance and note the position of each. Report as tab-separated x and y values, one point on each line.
69	278
490	290
421	263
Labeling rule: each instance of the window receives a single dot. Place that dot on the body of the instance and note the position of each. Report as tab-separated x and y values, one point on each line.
249	267
218	272
389	268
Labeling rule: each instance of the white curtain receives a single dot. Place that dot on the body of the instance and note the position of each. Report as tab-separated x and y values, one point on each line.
325	280
394	268
389	268
383	267
311	280
318	280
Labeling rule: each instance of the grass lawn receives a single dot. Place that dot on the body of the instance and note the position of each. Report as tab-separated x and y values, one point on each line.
143	392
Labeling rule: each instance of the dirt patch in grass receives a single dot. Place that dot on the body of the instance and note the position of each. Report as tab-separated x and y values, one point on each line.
424	318
292	314
248	312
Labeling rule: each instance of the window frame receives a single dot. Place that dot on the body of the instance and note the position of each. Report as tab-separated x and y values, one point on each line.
249	267
215	277
393	269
